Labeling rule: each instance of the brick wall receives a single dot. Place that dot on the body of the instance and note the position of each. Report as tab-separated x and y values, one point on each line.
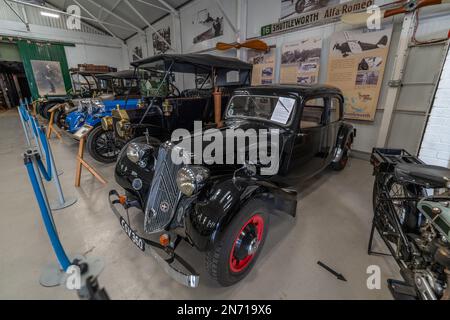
436	144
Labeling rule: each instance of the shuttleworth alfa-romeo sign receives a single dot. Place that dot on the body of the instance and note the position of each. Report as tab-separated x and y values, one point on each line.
317	17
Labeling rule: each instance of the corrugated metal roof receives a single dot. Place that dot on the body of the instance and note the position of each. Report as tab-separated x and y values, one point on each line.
115	15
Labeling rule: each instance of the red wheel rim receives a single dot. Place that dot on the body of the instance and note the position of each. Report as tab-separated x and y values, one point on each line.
257	224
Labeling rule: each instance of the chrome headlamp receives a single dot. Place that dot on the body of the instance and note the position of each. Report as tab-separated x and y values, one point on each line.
136	153
191	179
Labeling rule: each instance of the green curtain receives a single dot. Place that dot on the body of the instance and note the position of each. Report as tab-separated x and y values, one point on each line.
47	52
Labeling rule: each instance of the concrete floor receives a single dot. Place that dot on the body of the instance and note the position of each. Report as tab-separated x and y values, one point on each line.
332	226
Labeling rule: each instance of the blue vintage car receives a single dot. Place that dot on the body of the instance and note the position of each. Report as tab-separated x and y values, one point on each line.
91	111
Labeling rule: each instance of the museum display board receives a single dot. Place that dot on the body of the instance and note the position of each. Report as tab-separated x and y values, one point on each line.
356	66
264	64
300	61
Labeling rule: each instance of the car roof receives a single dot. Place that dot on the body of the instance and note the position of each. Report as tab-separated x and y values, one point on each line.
296	90
124	74
191	63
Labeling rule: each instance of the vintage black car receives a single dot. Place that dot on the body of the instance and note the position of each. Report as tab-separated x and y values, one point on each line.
224	209
168	108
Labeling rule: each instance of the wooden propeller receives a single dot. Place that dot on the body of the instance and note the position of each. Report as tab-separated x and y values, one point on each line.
251	44
362	17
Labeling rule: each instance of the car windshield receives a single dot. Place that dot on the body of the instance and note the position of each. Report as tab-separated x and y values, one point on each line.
274	109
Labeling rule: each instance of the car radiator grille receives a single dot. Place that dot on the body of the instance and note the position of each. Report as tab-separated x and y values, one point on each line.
164	193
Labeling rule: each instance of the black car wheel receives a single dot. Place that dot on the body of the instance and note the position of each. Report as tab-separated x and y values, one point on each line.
235	253
342	163
102	145
59	119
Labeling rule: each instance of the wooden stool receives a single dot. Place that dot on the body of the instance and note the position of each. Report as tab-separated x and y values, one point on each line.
51	129
82	163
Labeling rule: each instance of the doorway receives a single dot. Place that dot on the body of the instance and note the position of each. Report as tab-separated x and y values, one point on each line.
13	84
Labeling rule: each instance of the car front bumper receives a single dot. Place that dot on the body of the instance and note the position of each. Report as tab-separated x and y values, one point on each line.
190	279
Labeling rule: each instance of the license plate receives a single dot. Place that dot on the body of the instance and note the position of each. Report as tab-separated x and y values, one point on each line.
138	241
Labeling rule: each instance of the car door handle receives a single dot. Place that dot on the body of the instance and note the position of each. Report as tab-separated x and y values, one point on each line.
301	135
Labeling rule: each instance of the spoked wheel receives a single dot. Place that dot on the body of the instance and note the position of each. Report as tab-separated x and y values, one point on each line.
60	118
103	146
396	214
238	248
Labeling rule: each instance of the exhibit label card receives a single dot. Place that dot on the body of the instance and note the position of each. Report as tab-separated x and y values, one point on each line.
283	110
356	66
300	61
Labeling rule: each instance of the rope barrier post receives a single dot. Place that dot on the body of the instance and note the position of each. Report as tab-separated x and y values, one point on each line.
45	149
62	201
85	270
82	163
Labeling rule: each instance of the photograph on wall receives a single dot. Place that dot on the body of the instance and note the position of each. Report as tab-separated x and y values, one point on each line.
136	53
300	61
263	66
159	46
49	78
212	25
356	65
289	8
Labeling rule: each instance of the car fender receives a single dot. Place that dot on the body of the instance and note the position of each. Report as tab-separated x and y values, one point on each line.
73	121
93	121
346	131
212	213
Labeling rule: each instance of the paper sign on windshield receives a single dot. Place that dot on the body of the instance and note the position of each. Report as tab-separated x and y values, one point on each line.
283	110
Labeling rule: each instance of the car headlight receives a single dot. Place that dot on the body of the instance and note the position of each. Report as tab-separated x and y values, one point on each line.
136	152
191	179
107	123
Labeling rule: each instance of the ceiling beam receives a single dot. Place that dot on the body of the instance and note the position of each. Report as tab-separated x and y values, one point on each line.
154	6
98	21
148	23
139	30
107	14
24	19
168	6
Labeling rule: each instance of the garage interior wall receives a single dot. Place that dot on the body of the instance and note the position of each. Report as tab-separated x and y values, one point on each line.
91	45
436	142
250	15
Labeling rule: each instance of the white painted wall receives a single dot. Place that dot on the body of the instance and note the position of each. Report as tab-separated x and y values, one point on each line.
436	144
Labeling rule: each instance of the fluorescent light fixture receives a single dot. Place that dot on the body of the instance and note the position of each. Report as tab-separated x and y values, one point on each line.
49	14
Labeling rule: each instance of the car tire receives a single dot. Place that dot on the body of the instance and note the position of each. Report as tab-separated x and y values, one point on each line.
222	261
342	163
58	119
92	145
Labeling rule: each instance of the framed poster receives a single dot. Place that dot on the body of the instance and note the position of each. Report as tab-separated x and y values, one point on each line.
300	62
356	66
49	78
263	66
159	46
290	8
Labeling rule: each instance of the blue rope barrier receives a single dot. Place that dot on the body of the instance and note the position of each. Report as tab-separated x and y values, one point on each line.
46	172
54	239
24	114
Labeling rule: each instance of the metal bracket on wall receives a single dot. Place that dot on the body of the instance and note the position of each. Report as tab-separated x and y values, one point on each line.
395	83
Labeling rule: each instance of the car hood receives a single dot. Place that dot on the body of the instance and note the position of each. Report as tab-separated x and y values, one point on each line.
208	137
